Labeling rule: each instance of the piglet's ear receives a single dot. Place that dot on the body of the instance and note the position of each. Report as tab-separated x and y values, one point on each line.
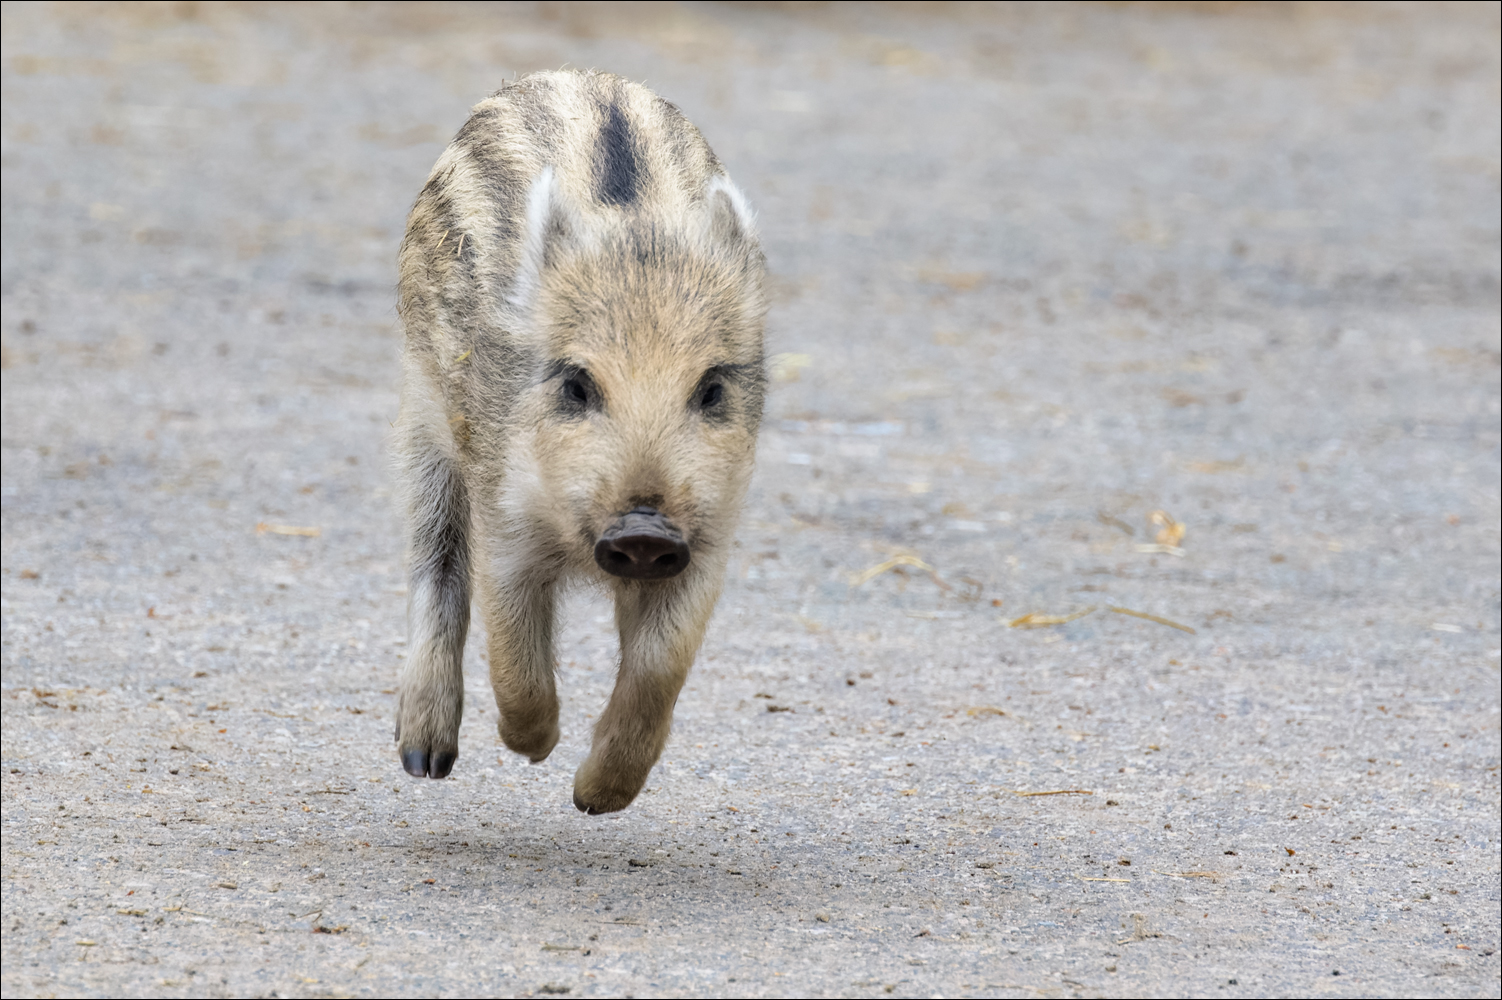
550	226
730	217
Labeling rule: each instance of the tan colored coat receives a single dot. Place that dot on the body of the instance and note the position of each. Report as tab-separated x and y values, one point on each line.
581	292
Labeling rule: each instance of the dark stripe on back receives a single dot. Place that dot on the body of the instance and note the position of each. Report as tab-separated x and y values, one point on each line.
617	168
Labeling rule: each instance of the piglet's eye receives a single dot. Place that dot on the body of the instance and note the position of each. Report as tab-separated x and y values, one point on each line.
578	393
711	395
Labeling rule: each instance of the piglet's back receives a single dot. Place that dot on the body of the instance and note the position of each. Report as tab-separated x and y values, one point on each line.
613	147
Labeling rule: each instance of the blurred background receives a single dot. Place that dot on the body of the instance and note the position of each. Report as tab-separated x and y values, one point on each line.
1073	258
1185	308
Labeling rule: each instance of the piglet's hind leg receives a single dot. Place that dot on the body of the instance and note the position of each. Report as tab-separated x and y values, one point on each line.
432	681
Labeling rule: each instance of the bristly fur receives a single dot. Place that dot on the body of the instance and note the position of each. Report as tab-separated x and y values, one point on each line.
575	272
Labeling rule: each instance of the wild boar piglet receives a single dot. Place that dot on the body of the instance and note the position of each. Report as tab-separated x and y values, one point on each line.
581	290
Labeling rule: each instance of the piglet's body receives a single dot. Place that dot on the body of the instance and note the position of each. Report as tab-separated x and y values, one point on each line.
581	292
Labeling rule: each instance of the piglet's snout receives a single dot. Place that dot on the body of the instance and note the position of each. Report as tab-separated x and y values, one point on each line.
642	545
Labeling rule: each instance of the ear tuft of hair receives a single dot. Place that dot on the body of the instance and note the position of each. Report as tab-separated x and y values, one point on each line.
731	218
549	222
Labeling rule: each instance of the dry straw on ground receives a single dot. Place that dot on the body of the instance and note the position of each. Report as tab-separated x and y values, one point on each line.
895	562
1169	539
1152	618
1039	620
287	529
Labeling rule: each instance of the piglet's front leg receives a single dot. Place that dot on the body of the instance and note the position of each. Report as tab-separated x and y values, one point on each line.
519	617
661	625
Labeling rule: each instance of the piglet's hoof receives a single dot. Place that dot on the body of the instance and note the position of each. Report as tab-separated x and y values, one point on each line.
535	742
596	793
593	810
422	764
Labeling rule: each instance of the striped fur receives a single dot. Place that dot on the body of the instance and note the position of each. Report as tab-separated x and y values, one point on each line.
577	231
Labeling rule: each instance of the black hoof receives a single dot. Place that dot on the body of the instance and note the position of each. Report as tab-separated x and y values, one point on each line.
421	764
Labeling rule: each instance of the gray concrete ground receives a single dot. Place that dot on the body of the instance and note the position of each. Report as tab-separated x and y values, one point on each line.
1041	271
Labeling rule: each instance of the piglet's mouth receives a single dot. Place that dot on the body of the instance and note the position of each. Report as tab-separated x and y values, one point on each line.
642	544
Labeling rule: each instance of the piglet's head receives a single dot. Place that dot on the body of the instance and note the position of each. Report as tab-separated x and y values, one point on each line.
646	344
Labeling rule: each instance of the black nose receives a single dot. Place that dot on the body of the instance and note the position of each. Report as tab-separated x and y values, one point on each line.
642	545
